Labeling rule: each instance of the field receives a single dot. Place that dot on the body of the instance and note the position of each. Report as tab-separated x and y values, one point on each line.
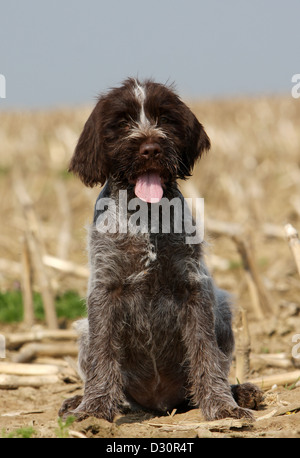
250	181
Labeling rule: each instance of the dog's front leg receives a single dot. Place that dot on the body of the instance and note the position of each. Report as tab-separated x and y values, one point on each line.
103	391
207	364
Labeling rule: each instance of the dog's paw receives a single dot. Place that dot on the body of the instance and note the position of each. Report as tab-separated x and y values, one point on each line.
101	407
68	406
232	412
237	412
247	395
225	409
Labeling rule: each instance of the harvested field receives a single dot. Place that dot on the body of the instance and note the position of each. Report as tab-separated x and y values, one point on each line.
251	184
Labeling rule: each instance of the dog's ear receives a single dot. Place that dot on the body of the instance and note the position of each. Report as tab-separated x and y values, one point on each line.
89	161
197	142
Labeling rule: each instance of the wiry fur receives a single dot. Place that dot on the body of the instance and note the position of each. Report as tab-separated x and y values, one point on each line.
158	332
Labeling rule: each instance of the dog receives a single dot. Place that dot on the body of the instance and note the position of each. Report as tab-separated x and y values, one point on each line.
158	334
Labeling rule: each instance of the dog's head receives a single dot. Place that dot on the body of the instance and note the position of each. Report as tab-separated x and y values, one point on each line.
140	134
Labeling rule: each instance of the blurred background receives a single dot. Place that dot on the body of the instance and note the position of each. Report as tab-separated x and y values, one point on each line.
64	53
232	63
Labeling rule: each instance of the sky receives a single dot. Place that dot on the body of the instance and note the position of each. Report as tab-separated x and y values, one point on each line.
66	52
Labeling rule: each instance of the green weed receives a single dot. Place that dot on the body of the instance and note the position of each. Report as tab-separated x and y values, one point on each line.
24	433
68	305
63	427
292	386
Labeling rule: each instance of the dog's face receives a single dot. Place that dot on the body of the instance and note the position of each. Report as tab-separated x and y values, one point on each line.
140	134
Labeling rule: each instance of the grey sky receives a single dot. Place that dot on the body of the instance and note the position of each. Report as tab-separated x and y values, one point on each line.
63	52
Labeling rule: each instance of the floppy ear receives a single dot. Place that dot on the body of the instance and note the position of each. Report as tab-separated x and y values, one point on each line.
88	160
197	141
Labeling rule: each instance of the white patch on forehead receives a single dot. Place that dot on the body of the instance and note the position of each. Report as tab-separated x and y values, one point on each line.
143	126
140	94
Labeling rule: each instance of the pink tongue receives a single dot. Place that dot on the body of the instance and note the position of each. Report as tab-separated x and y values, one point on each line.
148	188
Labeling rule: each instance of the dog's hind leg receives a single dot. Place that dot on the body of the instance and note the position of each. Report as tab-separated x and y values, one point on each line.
246	395
208	364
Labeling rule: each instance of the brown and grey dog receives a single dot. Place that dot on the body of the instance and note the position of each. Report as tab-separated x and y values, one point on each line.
158	332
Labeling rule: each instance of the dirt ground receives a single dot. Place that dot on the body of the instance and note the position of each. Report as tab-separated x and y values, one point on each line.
277	416
37	408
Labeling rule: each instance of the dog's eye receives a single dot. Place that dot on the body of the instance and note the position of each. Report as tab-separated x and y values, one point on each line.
164	120
124	124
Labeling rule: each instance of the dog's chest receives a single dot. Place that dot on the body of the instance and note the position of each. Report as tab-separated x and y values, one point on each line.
152	260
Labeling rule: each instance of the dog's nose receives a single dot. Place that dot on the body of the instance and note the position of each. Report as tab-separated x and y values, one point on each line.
149	150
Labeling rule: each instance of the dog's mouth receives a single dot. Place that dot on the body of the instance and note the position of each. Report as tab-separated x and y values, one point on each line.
148	187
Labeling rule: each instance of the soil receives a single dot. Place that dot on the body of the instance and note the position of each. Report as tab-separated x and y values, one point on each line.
38	407
277	416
